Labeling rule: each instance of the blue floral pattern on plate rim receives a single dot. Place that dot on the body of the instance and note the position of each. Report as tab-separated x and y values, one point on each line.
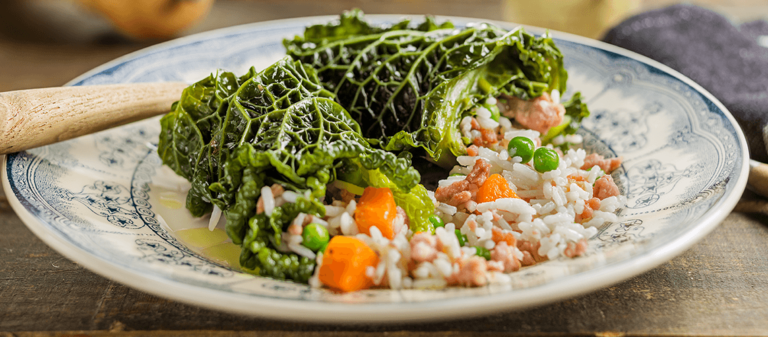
91	198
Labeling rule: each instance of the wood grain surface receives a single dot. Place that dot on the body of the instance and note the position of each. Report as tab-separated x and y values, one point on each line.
37	117
718	287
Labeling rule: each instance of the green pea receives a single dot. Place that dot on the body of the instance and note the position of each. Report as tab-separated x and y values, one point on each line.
436	221
462	238
315	237
522	147
483	252
545	160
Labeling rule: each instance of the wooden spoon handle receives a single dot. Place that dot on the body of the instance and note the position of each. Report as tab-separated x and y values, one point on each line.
758	178
37	117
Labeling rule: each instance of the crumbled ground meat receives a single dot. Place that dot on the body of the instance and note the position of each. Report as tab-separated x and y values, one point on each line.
502	236
460	198
589	207
530	252
260	206
295	229
594	203
607	165
495	266
462	191
479	173
423	247
277	190
575	249
472	189
539	114
528	259
471	273
605	187
488	138
446	193
475	124
506	256
472	150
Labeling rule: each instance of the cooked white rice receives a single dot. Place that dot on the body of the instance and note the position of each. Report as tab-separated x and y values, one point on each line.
544	217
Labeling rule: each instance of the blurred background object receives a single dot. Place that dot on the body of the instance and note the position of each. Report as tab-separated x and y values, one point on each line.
48	42
151	19
588	18
85	21
593	18
88	21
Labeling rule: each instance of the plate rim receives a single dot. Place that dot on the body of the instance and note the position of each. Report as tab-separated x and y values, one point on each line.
327	312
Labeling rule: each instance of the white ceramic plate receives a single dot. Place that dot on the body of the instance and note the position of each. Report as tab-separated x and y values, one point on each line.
100	200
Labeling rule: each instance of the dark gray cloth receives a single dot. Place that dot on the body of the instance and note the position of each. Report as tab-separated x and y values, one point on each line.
725	59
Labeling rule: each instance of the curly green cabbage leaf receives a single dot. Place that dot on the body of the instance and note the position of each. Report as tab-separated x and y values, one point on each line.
408	88
577	110
352	23
258	253
232	136
189	142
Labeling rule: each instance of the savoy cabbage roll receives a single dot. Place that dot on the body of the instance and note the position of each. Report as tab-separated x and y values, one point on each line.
409	86
232	137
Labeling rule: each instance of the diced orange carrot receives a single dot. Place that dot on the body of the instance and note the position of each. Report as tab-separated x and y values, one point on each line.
344	264
376	208
499	236
495	187
576	178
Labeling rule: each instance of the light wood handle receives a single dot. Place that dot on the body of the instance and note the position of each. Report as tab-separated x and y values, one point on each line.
758	178
37	117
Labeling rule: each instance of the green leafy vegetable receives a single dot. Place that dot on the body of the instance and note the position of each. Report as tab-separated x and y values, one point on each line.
232	136
258	256
188	138
351	23
577	110
409	87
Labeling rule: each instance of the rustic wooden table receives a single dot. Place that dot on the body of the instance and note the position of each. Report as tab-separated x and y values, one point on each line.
717	287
